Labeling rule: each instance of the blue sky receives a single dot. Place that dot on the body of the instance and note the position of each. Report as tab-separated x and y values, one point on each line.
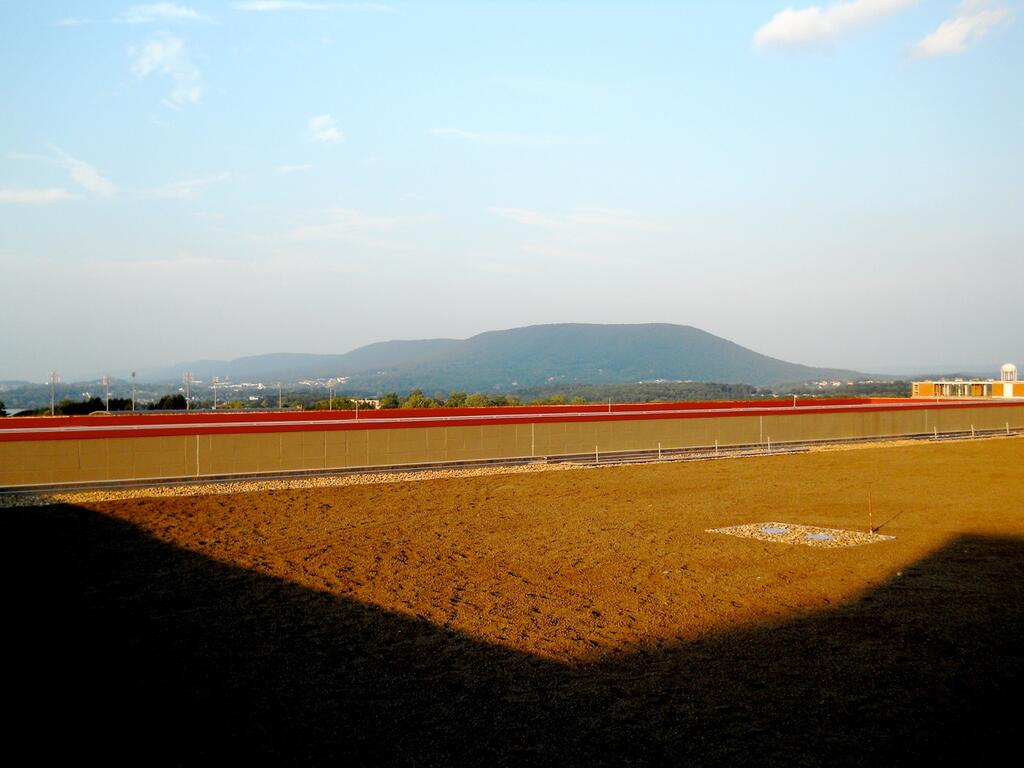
835	184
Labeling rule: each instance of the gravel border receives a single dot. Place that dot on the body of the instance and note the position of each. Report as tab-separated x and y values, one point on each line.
808	535
30	498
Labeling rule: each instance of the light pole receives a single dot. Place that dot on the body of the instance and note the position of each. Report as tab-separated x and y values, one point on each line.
187	379
106	393
216	383
330	391
54	377
279	395
133	391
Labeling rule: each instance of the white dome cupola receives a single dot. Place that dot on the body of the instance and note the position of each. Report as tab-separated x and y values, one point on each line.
1008	372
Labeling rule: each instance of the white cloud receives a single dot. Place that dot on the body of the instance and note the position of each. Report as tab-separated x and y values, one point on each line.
188	189
359	228
583	219
588	235
33	196
350	221
816	24
84	175
529	218
74	21
268	6
974	20
81	172
538	85
284	170
182	262
497	138
145	14
323	128
165	54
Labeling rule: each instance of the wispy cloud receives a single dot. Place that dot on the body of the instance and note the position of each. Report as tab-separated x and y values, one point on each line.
542	85
269	6
974	20
188	189
284	170
358	228
499	138
33	196
182	262
529	218
162	12
165	54
583	218
323	129
587	235
74	21
83	174
814	24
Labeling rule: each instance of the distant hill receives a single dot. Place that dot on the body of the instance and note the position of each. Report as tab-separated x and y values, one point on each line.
292	366
538	355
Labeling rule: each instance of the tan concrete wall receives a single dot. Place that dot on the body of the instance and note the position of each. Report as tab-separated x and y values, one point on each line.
59	461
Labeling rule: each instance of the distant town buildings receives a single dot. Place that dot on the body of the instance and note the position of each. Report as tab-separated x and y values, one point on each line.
1006	386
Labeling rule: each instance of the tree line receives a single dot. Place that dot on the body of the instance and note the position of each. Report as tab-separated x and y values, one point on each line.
69	407
576	394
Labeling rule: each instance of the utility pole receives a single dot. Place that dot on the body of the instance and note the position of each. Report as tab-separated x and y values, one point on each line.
133	391
187	379
54	377
106	393
279	395
330	390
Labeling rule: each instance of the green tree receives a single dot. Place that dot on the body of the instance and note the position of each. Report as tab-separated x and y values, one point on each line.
3	409
477	400
390	400
417	399
169	403
68	407
335	404
556	399
455	400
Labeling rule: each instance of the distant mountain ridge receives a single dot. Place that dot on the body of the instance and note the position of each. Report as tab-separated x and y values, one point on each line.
535	355
293	366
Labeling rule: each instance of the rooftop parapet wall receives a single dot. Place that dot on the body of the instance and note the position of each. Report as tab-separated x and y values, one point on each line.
235	422
225	415
320	445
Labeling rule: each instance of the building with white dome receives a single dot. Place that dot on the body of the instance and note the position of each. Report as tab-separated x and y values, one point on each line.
1006	386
